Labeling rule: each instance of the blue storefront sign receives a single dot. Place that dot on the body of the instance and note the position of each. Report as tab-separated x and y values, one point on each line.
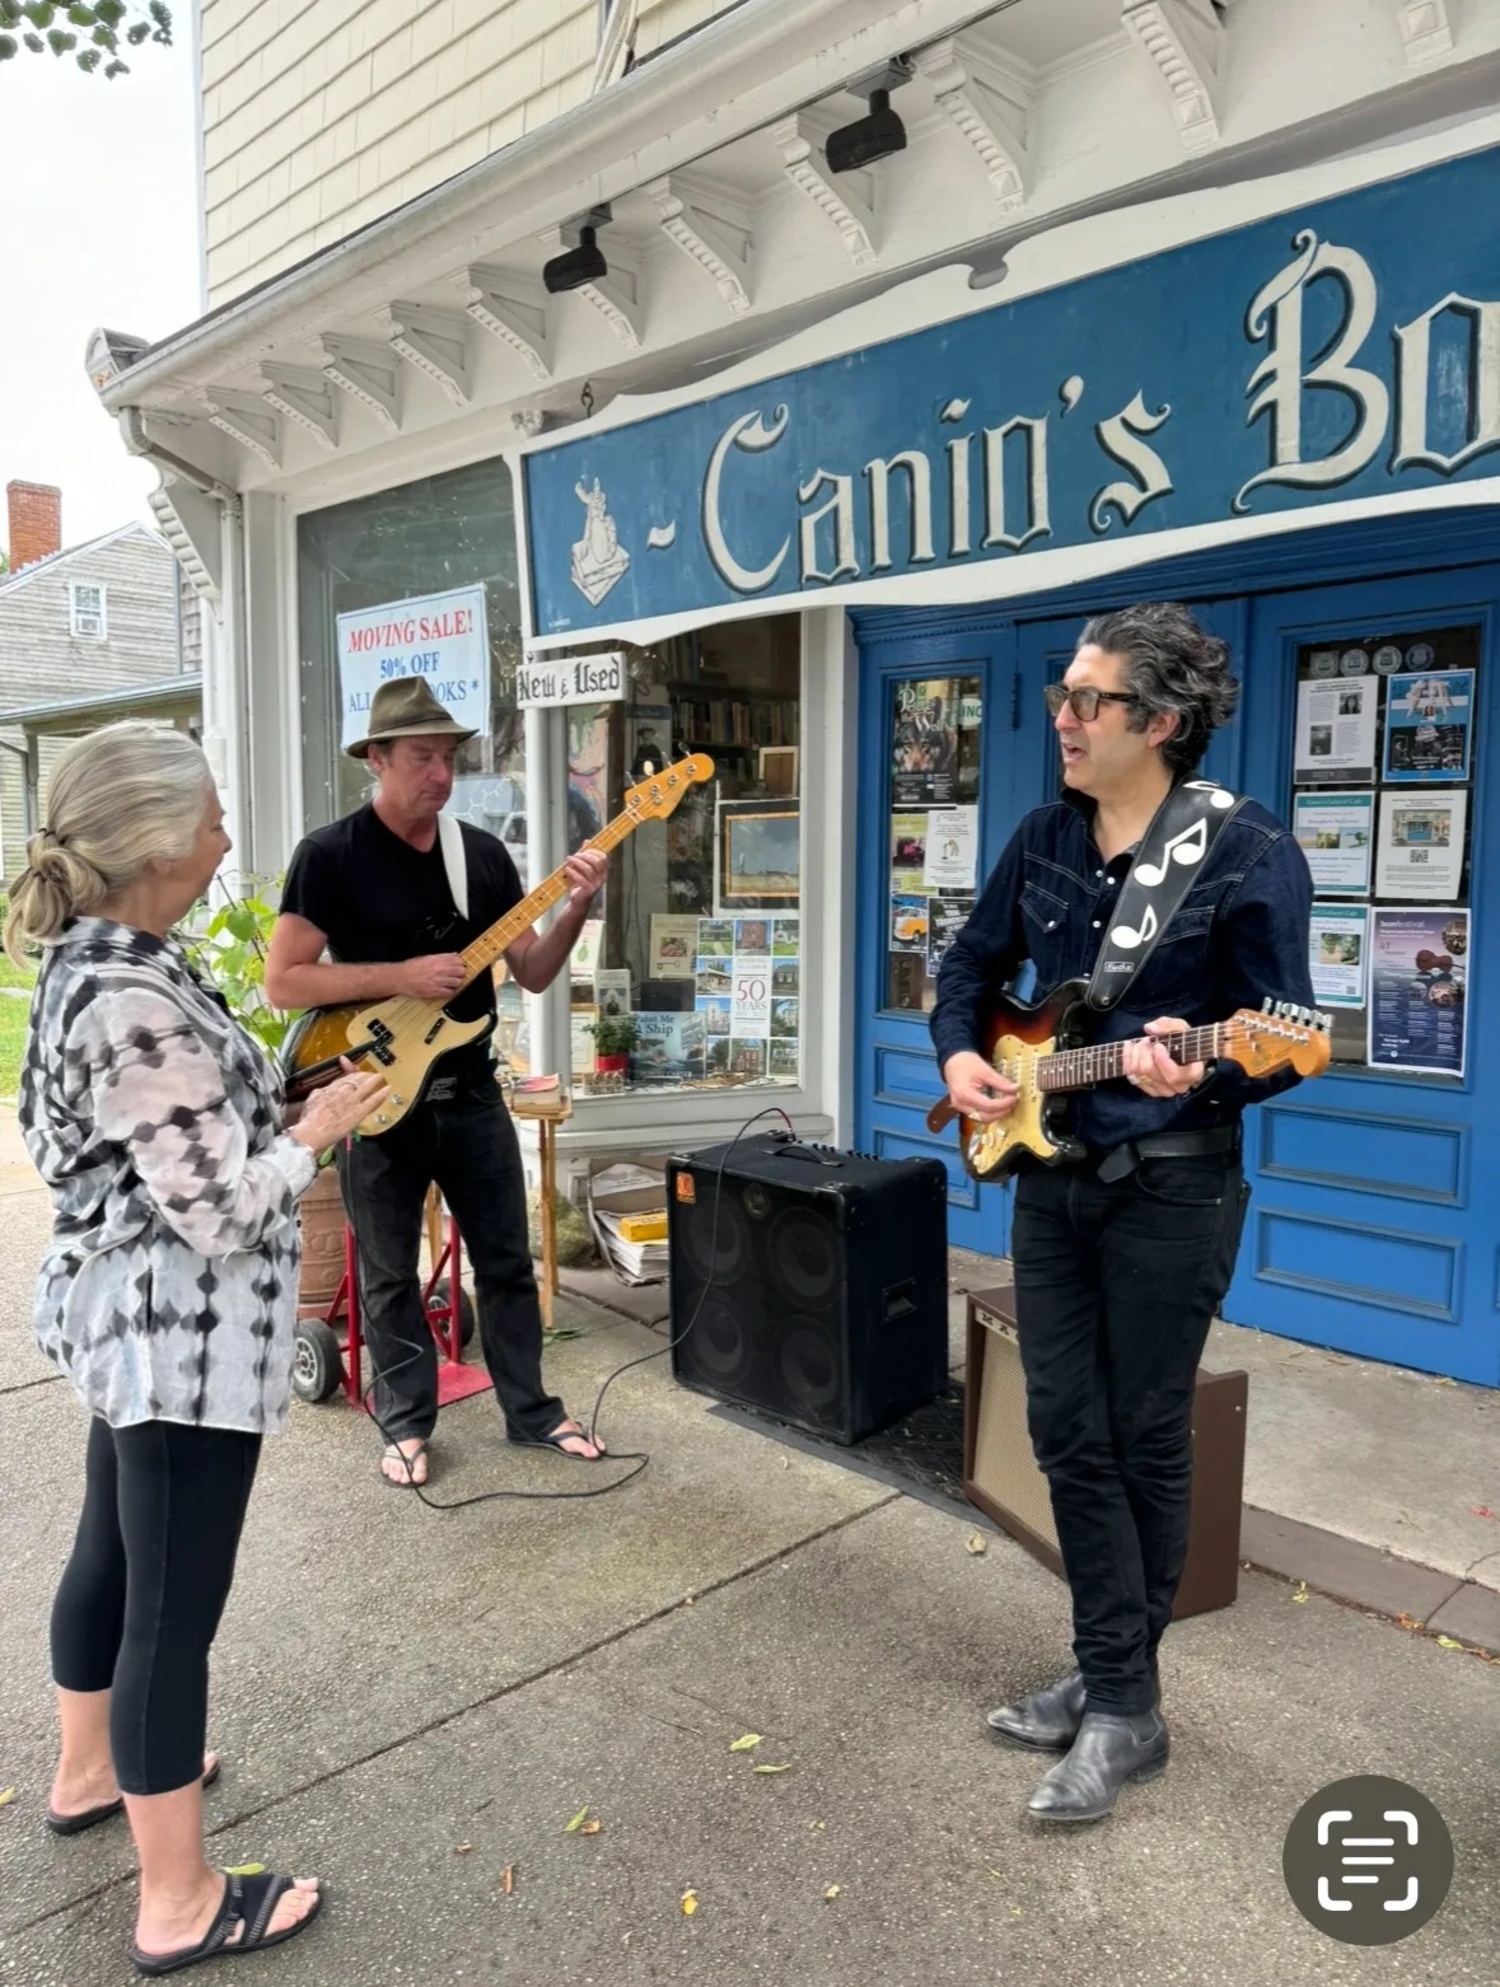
1346	350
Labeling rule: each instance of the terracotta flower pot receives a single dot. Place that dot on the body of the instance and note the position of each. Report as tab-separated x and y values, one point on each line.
321	1212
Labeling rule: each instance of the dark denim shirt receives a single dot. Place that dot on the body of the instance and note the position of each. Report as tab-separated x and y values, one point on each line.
1239	937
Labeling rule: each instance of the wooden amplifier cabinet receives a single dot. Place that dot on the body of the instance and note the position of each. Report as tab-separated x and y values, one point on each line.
1001	1476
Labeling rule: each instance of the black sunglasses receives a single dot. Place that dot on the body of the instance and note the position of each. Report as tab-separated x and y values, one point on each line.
1084	701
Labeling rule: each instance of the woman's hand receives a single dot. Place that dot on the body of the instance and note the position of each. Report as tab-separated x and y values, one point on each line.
340	1107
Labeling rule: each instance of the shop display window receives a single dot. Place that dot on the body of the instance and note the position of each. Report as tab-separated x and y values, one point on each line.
1384	760
692	974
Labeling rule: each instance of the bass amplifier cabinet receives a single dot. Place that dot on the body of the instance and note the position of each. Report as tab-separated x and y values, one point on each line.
1001	1476
809	1283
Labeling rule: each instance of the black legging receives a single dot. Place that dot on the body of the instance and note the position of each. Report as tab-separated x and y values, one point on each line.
139	1603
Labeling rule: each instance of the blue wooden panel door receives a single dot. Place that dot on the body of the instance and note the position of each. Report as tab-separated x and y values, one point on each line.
1371	1227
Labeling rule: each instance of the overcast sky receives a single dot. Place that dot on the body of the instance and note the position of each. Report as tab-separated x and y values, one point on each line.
97	192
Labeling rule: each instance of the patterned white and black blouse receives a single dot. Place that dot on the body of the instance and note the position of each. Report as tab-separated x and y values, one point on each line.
169	1289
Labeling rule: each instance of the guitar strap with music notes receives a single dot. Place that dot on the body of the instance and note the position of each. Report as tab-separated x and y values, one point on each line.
1172	855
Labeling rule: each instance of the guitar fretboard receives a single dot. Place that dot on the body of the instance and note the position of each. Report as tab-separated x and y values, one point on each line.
1080	1069
490	945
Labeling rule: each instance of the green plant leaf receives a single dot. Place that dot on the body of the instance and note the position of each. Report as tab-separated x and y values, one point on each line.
578	1820
747	1744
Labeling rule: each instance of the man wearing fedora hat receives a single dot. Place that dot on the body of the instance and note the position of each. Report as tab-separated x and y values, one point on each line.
369	911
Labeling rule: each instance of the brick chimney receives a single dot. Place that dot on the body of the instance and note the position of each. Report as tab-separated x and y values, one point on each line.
35	520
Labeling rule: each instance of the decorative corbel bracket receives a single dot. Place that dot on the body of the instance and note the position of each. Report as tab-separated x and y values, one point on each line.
305	396
718	245
512	308
368	373
988	108
436	342
1184	41
246	418
1425	29
191	524
845	199
616	296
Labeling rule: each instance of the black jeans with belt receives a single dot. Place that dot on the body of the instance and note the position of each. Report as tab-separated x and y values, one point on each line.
139	1604
466	1143
1116	1286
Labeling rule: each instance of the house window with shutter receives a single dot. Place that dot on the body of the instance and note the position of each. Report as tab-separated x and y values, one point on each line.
87	608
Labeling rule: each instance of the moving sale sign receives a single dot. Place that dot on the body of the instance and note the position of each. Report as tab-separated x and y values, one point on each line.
440	637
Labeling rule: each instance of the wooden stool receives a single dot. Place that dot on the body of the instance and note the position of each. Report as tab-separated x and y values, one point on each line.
546	1112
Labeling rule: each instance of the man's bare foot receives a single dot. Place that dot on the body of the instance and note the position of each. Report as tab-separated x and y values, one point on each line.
79	1790
405	1463
168	1925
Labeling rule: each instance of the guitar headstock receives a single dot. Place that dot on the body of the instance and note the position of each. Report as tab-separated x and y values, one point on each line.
1280	1034
654	799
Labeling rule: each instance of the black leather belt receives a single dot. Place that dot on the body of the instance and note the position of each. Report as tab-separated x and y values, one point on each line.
1121	1160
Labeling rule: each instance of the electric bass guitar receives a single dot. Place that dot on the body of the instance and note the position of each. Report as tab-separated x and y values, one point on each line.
1040	1049
403	1037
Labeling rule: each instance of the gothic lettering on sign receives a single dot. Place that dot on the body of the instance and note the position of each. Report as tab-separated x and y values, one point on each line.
1284	375
751	434
1121	437
840	508
1466	387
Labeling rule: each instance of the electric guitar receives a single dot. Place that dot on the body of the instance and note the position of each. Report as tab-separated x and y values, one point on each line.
403	1037
1039	1049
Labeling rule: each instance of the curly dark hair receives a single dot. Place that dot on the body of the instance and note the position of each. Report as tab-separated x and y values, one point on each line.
1171	665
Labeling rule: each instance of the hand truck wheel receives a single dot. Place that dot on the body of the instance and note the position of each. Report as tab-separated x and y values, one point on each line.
317	1362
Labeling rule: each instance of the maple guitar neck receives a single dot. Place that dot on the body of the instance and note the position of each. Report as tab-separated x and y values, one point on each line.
491	945
1080	1069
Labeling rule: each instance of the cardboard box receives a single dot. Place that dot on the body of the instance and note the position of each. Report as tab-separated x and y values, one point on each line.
1000	1475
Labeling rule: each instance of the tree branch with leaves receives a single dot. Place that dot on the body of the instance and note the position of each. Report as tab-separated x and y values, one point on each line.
95	35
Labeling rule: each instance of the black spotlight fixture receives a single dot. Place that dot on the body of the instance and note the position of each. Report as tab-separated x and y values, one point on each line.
580	265
879	134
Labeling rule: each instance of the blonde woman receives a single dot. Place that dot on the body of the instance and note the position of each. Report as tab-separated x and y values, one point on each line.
167	1296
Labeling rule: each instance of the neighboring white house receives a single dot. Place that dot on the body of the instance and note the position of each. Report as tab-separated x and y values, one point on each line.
86	634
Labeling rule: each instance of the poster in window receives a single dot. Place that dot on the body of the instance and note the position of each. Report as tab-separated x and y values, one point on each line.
1336	730
908	851
1428	725
952	849
924	744
1421	850
1418	1004
947	917
669	1047
909	924
674	946
1335	833
1339	949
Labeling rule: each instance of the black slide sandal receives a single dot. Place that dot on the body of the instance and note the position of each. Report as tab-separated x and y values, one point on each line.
91	1817
248	1901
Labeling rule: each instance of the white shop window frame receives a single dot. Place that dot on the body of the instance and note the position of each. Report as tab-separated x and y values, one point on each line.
88	611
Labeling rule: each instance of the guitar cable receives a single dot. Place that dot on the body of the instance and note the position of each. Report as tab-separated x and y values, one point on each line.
639	1457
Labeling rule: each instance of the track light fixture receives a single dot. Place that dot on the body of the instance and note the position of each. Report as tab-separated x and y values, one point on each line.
580	265
879	134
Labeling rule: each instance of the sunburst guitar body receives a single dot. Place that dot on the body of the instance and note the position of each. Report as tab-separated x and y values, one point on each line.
1043	1050
405	1038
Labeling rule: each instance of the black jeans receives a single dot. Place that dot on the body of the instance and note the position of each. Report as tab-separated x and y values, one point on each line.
139	1602
467	1145
1116	1286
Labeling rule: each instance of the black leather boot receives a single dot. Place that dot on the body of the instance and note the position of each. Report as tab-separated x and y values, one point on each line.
1047	1721
1108	1751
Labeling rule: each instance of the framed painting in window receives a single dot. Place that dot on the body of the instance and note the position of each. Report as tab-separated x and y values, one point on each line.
757	856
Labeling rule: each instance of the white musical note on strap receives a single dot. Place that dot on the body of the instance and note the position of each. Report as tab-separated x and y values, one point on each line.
1128	939
1187	848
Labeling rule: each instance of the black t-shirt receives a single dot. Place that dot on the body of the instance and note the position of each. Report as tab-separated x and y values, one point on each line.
376	898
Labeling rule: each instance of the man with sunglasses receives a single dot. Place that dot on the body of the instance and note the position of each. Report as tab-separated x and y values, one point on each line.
1122	1258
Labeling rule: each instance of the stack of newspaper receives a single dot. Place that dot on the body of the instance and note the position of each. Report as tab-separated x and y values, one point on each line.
622	1198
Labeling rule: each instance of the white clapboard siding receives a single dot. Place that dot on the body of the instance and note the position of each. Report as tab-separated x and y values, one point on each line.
42	661
318	119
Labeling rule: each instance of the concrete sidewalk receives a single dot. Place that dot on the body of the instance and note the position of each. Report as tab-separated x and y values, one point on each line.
412	1702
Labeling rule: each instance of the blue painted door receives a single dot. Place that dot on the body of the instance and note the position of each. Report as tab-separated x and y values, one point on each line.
1371	1228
